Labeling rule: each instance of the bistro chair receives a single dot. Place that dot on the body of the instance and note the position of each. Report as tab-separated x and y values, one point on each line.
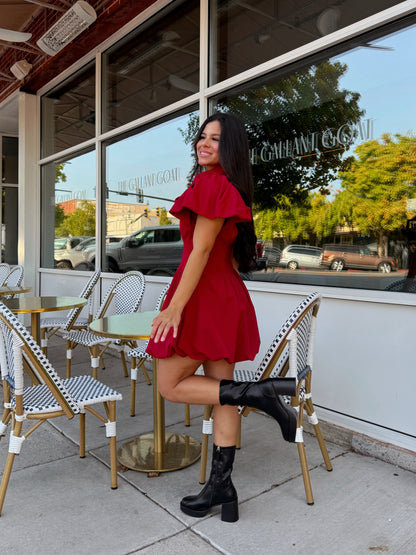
139	357
290	354
4	272
53	397
407	285
49	326
124	296
14	279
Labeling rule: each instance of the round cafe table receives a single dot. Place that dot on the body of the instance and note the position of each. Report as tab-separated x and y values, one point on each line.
157	452
36	305
13	290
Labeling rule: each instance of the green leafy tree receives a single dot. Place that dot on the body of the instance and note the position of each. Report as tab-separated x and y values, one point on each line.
60	176
59	215
80	222
379	180
311	222
164	220
308	101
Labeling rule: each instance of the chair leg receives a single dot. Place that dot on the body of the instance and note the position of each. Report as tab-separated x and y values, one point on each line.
8	467
238	440
123	360
133	380
187	415
113	447
313	419
68	358
82	435
305	473
206	431
94	361
44	341
299	406
145	374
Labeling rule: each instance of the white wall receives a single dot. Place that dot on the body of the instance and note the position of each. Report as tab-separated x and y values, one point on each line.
363	376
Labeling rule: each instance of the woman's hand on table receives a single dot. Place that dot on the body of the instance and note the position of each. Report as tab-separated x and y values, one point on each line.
165	321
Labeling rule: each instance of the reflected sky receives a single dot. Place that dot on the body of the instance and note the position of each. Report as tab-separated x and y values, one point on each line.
384	78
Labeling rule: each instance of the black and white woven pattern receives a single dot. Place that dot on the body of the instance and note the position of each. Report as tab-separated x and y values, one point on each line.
125	296
14	333
14	279
140	350
303	339
406	285
4	272
71	319
85	390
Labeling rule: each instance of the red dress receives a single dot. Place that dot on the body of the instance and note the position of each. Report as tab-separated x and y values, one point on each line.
218	321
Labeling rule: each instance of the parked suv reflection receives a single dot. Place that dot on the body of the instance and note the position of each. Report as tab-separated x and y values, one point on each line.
300	256
356	257
152	250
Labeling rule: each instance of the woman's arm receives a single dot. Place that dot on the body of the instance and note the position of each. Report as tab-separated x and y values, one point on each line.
205	233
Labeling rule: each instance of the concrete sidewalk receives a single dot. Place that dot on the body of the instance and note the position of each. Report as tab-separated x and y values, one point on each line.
57	503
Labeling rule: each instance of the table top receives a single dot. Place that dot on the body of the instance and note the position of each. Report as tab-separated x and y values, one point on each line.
135	325
43	304
13	290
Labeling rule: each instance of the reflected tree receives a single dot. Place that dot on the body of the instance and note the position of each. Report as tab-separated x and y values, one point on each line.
376	186
80	222
299	129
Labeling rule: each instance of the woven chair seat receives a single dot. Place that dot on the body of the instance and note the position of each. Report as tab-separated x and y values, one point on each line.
140	350
61	322
84	389
85	337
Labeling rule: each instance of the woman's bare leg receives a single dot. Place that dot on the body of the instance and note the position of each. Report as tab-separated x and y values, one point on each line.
177	382
226	418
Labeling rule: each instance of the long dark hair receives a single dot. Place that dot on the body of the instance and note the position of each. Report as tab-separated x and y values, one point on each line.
235	161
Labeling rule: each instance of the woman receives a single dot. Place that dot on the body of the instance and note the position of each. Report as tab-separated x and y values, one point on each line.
207	317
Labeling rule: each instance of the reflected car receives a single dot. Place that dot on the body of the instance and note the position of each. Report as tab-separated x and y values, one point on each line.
300	256
339	257
65	253
152	250
73	257
272	256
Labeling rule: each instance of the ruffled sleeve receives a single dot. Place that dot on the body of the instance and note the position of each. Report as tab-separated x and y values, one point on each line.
213	196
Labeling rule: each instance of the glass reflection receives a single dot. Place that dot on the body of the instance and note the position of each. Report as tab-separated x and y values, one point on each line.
152	67
245	34
68	213
334	167
144	173
68	112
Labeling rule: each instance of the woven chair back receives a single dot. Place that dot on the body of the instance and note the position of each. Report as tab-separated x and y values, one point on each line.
14	277
277	356
4	272
86	293
124	296
16	341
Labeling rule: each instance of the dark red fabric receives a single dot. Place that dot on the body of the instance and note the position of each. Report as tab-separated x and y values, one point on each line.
219	321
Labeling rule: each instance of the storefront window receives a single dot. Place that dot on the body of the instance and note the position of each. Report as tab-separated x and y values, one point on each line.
144	173
9	163
153	67
68	113
333	148
68	212
245	34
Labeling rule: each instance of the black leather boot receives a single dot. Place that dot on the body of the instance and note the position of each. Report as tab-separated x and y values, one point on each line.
219	490
264	395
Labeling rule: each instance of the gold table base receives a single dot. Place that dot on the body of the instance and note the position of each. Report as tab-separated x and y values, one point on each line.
139	453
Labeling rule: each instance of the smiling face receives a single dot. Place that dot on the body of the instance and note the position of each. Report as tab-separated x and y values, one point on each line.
207	148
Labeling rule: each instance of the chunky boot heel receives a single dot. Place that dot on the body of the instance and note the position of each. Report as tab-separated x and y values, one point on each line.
229	511
219	489
264	395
